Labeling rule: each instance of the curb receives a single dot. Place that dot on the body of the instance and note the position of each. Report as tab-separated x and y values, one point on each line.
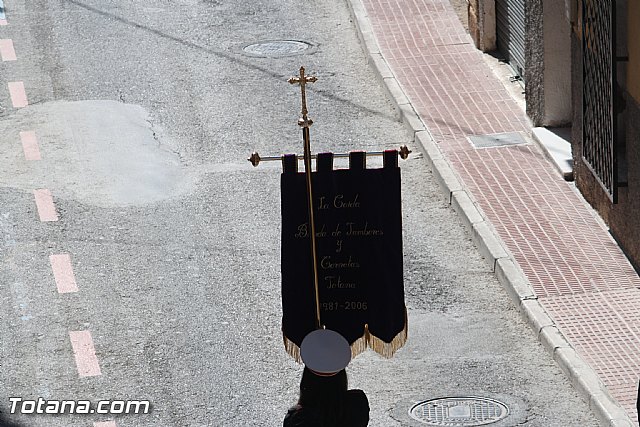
581	375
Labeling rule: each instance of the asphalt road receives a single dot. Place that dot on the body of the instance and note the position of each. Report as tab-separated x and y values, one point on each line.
145	113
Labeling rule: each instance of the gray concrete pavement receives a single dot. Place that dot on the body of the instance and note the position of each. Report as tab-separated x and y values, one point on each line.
179	277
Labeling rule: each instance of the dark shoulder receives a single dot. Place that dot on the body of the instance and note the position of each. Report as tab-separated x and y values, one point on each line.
300	417
358	399
358	408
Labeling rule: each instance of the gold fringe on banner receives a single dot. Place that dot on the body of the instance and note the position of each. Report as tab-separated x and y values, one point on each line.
384	349
292	348
367	340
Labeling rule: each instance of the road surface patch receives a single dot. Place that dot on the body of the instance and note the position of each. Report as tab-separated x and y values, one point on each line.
114	154
105	424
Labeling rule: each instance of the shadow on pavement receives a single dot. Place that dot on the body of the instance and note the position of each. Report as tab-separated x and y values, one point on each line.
6	423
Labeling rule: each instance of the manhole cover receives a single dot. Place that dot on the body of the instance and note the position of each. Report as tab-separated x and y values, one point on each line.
278	48
497	140
459	411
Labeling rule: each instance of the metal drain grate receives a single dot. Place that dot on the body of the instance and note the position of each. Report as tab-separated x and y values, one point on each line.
276	48
497	140
459	411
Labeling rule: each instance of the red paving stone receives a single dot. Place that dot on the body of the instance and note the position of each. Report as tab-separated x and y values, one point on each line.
576	269
604	328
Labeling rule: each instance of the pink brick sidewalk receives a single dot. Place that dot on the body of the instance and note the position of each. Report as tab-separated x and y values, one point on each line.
576	269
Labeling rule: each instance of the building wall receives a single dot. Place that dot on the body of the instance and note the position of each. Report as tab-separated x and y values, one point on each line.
548	73
623	218
535	62
557	75
482	24
633	46
547	54
625	215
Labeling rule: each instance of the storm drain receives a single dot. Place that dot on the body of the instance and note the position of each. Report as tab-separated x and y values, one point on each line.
459	411
497	140
276	48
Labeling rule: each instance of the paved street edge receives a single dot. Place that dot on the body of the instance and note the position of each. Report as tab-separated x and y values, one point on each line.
582	376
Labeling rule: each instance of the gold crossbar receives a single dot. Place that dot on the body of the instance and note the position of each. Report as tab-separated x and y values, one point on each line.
255	158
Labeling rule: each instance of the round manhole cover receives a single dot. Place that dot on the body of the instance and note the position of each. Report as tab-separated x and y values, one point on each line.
459	411
277	48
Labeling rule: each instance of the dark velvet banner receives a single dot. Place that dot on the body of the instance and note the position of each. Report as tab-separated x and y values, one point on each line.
359	245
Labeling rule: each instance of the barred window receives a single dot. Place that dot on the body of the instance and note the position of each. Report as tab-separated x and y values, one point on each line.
599	130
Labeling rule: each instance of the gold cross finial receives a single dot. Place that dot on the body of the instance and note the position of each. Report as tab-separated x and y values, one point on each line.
302	80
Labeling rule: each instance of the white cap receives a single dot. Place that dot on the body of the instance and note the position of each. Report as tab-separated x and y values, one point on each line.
325	351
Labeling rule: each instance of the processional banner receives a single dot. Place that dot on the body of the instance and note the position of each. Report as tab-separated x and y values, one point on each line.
358	224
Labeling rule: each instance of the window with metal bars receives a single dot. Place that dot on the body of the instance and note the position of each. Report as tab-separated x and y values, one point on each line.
599	92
